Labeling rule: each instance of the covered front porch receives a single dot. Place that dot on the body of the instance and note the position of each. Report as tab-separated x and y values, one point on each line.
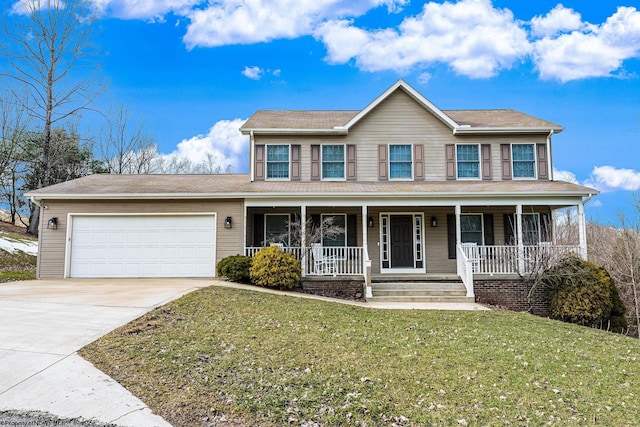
421	240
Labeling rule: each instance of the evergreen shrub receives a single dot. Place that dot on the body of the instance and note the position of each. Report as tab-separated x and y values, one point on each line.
274	268
580	292
235	268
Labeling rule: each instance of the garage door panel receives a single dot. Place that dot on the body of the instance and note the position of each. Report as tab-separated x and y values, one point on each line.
143	246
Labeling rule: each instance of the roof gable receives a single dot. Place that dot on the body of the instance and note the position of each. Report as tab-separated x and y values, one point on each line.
402	85
296	122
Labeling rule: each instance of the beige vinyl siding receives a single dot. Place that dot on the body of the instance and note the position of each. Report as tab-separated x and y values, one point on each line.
399	119
51	257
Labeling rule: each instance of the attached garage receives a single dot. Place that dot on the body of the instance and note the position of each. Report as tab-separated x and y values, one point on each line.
142	245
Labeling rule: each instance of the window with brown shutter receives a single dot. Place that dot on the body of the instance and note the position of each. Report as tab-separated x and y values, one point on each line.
315	163
450	159
295	163
418	160
351	163
543	162
505	150
258	169
383	174
487	173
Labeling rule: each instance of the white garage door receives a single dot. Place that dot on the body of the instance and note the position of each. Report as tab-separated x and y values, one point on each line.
142	246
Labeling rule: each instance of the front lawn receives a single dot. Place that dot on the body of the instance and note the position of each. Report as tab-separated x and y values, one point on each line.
16	264
223	356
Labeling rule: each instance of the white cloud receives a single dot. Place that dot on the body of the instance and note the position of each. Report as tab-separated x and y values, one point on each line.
560	175
242	22
559	19
471	36
609	178
253	73
152	10
424	78
594	51
224	143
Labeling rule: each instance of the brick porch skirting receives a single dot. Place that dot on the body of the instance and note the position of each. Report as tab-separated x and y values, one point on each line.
346	288
512	295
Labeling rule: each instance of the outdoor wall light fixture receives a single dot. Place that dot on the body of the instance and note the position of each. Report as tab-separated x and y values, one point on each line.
228	222
434	221
52	223
370	223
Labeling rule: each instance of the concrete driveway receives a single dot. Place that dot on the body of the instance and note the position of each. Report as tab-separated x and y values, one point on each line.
42	325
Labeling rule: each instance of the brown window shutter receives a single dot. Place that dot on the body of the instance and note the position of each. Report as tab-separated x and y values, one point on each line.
351	163
505	150
315	163
295	163
258	170
450	155
543	162
418	162
383	166
451	236
487	173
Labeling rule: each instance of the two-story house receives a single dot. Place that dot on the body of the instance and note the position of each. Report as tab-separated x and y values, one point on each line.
463	198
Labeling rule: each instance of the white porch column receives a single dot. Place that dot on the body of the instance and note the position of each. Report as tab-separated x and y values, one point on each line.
244	235
366	262
458	229
519	238
582	231
303	239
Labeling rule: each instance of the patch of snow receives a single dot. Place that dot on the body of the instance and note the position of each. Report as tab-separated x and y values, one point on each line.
11	245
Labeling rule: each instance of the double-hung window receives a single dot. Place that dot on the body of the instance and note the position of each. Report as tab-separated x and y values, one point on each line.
333	162
524	160
468	161
337	222
276	228
471	229
277	162
400	162
530	229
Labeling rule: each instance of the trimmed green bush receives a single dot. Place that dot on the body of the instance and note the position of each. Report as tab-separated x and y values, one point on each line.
580	292
235	268
274	268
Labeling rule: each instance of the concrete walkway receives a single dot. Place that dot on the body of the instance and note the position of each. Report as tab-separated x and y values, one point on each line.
43	323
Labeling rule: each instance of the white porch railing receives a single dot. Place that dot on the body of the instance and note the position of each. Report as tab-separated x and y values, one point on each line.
465	270
344	260
506	260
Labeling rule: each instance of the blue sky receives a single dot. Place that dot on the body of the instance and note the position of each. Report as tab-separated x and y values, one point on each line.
192	71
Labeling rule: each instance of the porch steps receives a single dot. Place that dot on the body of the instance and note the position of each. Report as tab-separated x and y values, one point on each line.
423	291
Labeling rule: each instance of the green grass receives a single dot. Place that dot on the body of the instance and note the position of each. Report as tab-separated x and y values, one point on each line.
260	359
17	265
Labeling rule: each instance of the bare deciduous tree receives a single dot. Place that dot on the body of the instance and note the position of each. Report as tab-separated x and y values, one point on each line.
46	42
125	147
617	249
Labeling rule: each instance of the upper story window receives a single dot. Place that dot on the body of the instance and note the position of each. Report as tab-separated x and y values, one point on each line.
524	160
468	161
277	162
400	162
333	162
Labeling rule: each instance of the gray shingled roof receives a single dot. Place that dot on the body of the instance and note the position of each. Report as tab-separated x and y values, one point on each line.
326	119
292	119
220	186
499	118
